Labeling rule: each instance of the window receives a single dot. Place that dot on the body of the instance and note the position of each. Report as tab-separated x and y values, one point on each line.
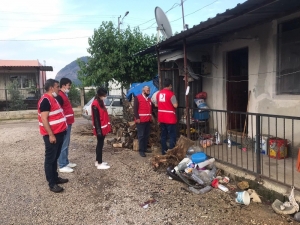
288	75
24	81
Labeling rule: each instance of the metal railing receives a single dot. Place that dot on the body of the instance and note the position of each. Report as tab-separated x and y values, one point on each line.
273	156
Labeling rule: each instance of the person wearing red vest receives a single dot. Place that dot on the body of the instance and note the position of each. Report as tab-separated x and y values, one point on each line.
167	104
143	118
101	126
63	161
53	126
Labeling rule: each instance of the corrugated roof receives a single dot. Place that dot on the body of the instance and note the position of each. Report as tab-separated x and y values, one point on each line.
243	15
24	63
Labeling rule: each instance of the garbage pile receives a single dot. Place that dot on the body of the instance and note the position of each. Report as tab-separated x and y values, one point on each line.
200	173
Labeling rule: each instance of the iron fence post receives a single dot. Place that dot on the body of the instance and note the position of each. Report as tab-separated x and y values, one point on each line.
257	144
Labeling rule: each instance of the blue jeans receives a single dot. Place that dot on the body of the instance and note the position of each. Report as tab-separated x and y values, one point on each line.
167	129
63	157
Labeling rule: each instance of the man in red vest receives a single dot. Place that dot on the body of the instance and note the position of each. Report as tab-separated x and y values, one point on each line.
167	104
63	162
143	118
53	126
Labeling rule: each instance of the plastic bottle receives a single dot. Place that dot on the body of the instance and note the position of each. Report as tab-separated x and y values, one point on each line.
206	162
197	179
217	138
229	141
194	190
183	164
200	191
222	187
212	173
205	189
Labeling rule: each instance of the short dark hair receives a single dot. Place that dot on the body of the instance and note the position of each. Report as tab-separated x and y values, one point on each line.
64	81
50	83
167	82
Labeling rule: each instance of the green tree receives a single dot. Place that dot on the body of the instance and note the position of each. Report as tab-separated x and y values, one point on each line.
89	95
112	57
16	98
74	96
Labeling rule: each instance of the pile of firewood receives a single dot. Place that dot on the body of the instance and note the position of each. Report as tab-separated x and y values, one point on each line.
126	132
173	156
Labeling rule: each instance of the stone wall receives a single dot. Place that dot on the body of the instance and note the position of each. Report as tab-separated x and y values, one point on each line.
28	114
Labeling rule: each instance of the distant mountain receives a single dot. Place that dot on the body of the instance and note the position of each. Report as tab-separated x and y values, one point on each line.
70	71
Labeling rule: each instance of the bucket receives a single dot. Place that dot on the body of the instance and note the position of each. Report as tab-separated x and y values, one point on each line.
198	157
242	197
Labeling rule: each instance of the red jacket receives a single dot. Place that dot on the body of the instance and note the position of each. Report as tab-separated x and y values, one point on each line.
144	109
166	110
104	119
57	119
67	107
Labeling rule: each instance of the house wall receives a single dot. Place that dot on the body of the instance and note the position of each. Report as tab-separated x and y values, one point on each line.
5	80
261	41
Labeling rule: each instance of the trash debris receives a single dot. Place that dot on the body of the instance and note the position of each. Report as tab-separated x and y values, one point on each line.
243	185
297	216
285	208
254	196
293	200
277	207
215	184
226	180
242	197
145	205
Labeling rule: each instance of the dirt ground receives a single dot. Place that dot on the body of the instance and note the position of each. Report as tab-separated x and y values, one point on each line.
105	196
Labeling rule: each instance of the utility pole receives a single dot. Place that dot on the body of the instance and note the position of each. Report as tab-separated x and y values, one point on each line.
119	29
182	14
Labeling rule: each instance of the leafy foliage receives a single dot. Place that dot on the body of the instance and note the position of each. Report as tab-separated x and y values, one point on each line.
112	57
89	95
16	99
74	96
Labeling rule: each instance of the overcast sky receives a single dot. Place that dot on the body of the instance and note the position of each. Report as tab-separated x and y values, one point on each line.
57	31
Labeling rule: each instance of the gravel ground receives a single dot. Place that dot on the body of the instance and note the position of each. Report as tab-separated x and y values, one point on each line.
105	196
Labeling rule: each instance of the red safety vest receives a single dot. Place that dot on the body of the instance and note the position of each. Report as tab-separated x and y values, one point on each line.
104	119
56	118
67	107
166	110
145	108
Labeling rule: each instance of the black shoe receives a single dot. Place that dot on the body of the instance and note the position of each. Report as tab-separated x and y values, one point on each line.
56	188
62	180
142	154
148	151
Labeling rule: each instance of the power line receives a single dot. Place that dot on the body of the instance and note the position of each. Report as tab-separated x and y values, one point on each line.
50	39
174	6
195	11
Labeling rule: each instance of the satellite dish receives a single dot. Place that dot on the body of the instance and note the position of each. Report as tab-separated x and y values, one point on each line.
163	23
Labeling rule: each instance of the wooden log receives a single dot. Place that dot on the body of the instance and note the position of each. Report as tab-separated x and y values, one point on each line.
118	145
132	123
135	145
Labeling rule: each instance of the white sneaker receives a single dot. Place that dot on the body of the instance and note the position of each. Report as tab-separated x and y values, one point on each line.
102	167
65	169
71	165
104	163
